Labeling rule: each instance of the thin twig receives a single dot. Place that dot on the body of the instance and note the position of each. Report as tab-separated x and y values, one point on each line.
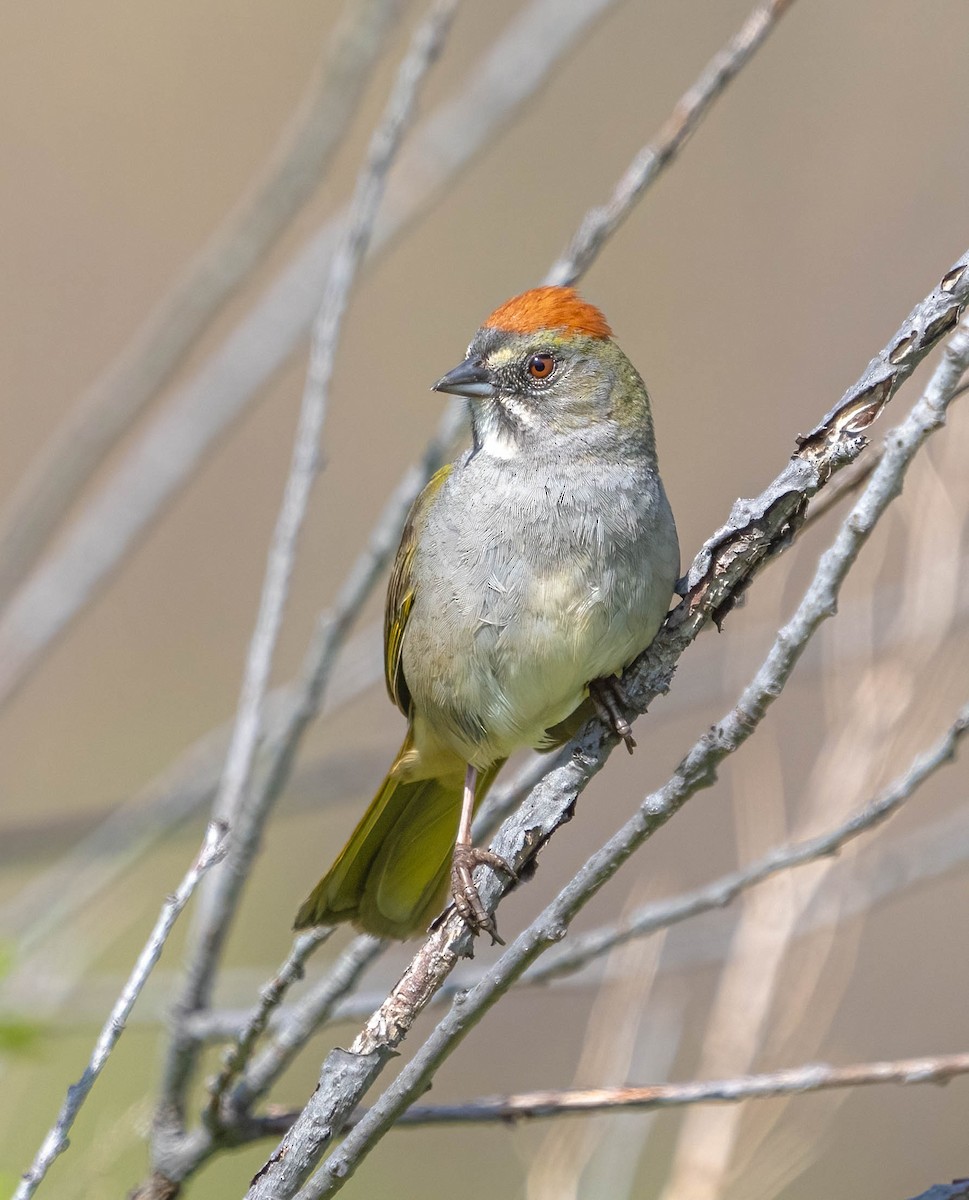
833	442
600	224
113	403
334	625
246	819
814	1077
213	850
915	858
188	786
200	411
236	1057
661	914
314	1010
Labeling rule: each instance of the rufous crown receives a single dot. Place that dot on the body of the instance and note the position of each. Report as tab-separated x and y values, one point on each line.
552	308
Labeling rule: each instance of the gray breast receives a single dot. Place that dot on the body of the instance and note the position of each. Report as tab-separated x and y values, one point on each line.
529	584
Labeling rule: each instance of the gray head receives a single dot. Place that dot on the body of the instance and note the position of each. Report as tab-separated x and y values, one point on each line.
543	369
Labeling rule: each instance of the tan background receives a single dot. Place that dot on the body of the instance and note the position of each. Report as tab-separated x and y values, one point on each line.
825	194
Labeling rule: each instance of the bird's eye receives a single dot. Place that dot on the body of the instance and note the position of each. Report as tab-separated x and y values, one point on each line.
541	366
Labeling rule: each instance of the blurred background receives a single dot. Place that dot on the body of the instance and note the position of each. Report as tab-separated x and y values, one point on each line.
823	196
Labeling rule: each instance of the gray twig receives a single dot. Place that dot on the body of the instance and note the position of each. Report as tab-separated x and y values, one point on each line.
114	402
312	1012
245	814
213	850
236	1056
600	224
909	862
662	914
186	787
813	1077
720	892
200	411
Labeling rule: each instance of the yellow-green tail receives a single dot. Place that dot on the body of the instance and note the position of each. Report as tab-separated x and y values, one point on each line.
391	877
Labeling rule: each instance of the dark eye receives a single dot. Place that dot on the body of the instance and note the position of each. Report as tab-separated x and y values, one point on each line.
541	366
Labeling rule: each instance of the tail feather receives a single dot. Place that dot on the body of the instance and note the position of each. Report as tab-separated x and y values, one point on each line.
391	877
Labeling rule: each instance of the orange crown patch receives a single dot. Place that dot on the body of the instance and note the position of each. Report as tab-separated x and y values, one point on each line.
549	308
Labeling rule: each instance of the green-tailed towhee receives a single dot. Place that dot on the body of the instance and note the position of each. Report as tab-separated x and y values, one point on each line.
542	561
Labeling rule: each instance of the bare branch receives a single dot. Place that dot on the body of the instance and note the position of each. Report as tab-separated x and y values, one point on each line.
852	481
112	404
718	894
815	1077
245	815
235	1059
213	851
599	224
922	855
334	625
313	1011
200	411
848	484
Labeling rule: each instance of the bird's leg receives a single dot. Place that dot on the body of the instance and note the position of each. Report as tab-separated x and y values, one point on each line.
466	857
609	696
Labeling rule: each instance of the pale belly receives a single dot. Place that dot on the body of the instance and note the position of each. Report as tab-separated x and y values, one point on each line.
492	670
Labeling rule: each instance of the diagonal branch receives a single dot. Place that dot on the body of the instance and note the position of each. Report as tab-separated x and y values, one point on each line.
236	1057
943	847
648	920
212	851
312	1012
200	411
599	224
661	914
112	404
234	805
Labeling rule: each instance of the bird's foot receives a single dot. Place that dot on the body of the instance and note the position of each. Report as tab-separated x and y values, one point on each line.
465	893
609	697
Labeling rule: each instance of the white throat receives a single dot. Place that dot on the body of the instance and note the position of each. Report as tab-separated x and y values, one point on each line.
496	439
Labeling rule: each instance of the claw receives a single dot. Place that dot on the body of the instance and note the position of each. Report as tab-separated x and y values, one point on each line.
609	697
467	901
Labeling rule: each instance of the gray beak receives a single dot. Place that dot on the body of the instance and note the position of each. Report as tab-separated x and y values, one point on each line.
470	378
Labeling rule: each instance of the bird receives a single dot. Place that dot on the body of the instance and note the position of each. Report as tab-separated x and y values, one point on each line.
531	571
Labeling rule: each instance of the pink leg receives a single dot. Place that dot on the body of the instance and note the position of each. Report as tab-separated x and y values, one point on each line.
466	858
